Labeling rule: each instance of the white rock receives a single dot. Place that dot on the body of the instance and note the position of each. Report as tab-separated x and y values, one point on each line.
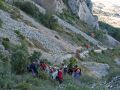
79	8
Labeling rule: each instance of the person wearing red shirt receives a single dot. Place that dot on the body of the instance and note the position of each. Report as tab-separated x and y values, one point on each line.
60	76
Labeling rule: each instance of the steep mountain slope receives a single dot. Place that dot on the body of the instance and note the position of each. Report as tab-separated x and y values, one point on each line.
27	31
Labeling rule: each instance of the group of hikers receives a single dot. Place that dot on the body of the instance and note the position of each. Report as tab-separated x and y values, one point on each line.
54	72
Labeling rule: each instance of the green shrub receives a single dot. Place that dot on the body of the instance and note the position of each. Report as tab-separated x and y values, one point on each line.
100	35
5	67
19	60
49	21
19	34
27	7
72	62
35	56
6	43
1	4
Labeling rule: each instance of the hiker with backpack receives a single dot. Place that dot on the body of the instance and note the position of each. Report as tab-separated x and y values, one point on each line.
34	68
55	73
76	72
65	69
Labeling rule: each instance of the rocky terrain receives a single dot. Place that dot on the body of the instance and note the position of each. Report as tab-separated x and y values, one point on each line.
99	60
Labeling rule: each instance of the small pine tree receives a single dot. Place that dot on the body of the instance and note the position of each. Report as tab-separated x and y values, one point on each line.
72	62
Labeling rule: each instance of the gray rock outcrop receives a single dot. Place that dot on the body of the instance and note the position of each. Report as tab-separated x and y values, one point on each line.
97	69
51	5
80	9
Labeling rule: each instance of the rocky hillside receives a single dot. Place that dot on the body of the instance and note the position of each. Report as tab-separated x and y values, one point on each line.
56	31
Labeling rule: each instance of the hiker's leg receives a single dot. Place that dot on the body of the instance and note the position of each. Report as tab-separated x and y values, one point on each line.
60	81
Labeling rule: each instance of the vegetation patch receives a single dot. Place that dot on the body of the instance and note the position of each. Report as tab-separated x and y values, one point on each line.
35	56
2	6
19	34
15	14
100	35
19	60
23	86
6	43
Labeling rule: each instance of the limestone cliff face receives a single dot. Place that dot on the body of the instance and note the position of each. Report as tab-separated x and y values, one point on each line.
52	5
80	8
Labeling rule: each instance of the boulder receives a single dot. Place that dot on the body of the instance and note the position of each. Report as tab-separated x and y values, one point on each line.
80	9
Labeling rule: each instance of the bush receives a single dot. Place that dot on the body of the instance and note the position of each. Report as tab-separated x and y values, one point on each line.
19	60
27	7
35	56
49	21
72	62
19	34
1	4
6	43
100	35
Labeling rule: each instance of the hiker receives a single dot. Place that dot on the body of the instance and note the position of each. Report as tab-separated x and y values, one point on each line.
76	72
60	76
47	69
55	73
33	68
51	72
42	66
65	69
